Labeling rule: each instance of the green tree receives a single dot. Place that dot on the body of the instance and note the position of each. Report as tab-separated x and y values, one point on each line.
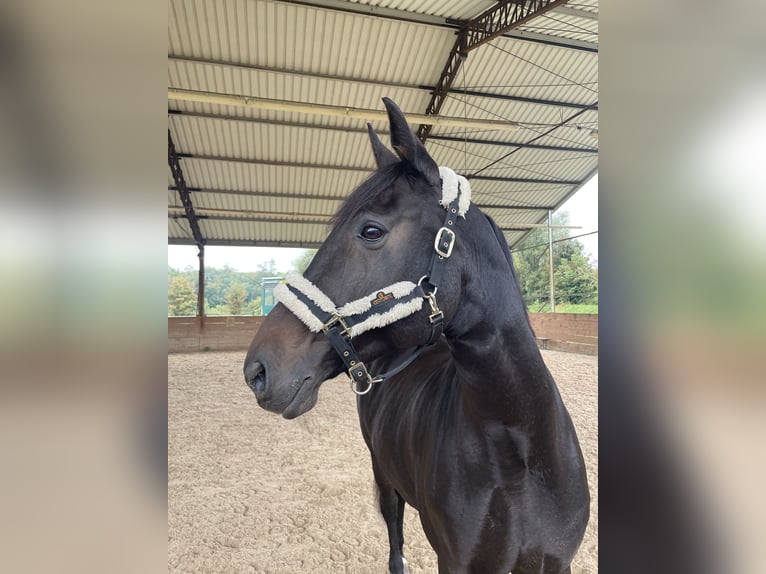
254	307
575	281
182	296
236	296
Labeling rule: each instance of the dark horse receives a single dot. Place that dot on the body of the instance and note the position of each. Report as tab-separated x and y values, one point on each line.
466	424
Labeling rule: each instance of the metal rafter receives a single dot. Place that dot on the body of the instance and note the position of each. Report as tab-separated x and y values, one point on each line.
214	217
316	196
301	125
247	243
183	192
278	163
504	16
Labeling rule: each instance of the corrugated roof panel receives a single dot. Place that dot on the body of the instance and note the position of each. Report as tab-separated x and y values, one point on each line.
494	160
266	206
259	232
516	193
564	25
308	39
453	9
389	53
209	136
178	228
514	67
239	81
257	177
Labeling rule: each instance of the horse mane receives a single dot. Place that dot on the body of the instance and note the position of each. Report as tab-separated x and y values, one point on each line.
369	190
507	252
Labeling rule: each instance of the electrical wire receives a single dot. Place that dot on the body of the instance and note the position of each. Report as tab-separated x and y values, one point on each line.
543	68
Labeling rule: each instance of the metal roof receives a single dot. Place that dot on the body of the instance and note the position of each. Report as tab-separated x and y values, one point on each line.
274	176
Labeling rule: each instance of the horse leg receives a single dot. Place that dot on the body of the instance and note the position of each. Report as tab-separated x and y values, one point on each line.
392	509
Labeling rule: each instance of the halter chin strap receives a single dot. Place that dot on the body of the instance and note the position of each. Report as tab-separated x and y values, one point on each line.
384	306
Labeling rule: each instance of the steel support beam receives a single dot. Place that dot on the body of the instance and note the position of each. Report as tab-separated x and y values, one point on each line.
276	163
183	192
259	219
472	93
246	243
264	193
199	240
549	40
201	289
504	16
587	150
508	227
336	198
523	180
525	100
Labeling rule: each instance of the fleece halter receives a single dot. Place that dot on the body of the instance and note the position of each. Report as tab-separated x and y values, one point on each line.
383	306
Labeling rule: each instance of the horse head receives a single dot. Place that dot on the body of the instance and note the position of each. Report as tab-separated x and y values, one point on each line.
379	253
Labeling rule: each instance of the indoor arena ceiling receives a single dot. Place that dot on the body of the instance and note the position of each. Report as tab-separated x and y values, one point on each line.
268	103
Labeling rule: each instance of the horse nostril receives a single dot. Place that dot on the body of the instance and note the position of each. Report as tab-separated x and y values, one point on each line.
255	377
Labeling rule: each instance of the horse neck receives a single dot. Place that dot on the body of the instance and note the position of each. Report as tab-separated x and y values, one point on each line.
493	346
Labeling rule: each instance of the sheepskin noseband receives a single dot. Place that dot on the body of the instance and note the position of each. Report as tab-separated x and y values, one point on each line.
378	309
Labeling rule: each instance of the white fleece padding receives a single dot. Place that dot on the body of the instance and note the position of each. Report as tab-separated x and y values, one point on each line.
311	291
398	290
450	182
297	307
398	311
401	289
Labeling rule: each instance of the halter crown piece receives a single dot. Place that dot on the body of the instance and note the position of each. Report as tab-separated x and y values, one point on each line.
384	306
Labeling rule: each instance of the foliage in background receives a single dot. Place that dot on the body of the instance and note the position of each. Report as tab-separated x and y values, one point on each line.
227	291
182	296
575	279
232	292
235	298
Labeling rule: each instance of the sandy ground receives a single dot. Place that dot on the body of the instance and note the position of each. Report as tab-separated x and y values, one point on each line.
251	492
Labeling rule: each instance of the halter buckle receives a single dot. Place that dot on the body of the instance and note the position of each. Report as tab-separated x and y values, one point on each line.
442	245
331	323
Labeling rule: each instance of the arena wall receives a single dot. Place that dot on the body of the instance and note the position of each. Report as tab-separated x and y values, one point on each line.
570	332
189	334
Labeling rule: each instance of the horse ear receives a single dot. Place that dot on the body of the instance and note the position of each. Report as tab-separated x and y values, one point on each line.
408	146
383	156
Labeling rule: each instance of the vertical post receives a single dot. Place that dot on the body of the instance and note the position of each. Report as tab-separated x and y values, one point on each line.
550	259
201	290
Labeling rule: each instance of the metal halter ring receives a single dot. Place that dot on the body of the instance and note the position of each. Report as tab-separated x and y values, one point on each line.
360	370
356	389
425	278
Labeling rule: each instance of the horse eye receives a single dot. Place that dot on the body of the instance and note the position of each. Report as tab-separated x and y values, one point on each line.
371	233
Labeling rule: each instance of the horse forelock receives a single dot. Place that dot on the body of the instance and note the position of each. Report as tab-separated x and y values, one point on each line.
373	187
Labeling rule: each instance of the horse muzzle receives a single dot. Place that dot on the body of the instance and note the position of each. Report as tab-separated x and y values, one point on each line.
290	396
